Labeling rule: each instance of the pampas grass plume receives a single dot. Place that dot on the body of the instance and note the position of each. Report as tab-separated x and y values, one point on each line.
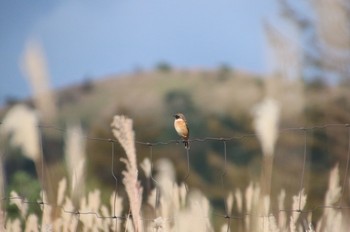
75	159
239	200
22	124
35	69
299	202
266	119
146	167
122	130
229	203
334	189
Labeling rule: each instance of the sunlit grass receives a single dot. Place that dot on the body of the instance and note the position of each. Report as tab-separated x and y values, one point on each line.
176	209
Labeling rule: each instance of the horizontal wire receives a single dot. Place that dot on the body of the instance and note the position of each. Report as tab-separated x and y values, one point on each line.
227	139
273	213
214	213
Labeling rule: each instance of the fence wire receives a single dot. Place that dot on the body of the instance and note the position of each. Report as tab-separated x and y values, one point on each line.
229	217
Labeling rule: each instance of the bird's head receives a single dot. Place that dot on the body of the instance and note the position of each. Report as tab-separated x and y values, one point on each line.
179	115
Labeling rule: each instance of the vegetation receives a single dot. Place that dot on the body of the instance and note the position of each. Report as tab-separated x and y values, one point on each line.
267	153
215	107
321	51
169	206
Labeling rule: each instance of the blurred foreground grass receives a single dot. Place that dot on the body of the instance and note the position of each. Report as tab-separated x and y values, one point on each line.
217	103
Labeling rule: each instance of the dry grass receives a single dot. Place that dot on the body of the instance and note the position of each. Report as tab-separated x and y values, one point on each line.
35	69
177	210
75	159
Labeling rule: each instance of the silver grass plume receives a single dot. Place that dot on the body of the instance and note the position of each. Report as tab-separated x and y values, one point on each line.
122	130
34	67
75	159
266	119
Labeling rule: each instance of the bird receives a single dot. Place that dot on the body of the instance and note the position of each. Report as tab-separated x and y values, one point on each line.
181	128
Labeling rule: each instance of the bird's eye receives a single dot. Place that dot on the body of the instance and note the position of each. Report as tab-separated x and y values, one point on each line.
177	116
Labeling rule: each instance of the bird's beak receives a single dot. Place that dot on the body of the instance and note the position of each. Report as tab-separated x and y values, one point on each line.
174	115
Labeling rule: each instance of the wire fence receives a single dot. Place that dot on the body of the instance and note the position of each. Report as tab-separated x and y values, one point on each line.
341	205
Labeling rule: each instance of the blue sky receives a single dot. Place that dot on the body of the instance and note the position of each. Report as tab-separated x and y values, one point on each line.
94	38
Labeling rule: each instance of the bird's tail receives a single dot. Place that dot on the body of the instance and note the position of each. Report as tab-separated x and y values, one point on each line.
187	144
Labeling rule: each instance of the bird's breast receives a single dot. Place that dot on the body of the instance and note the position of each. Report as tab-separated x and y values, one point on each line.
181	128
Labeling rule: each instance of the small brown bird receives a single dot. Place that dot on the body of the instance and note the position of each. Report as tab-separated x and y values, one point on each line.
181	128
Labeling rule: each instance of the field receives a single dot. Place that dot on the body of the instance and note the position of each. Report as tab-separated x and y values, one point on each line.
267	154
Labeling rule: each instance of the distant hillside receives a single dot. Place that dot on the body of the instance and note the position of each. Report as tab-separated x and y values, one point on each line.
151	93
